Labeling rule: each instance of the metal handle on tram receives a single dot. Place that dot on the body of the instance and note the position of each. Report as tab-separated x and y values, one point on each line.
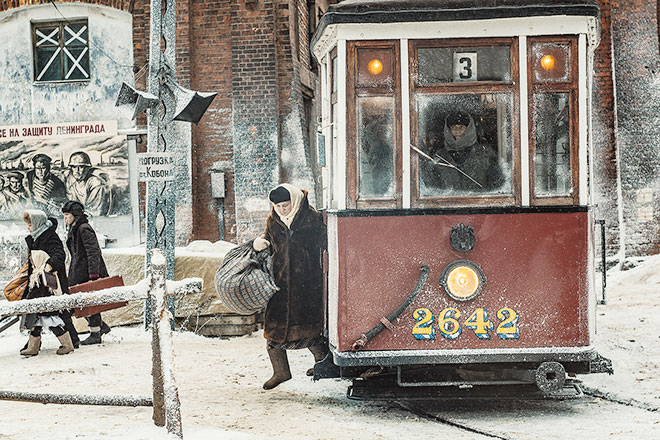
387	322
603	256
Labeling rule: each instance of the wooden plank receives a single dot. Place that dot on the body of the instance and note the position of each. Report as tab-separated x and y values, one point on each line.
226	330
7	322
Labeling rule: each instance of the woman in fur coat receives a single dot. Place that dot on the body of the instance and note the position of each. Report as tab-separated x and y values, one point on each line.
46	256
294	315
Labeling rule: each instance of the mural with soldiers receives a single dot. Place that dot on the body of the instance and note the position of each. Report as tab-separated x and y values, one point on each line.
45	173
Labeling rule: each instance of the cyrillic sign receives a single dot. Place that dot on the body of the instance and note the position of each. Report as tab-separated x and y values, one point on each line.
153	167
58	130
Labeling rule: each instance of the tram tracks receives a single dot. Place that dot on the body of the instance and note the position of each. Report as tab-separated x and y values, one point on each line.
445	421
588	392
609	397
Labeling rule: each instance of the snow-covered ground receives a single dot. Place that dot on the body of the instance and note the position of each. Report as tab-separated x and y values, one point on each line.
220	383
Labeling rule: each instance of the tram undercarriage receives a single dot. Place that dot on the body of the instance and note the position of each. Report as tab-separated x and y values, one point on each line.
465	381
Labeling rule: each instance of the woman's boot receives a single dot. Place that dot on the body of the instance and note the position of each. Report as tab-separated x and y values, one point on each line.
319	352
67	345
32	346
281	371
94	336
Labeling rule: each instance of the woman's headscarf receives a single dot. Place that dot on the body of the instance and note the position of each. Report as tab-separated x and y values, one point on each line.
296	197
467	140
39	221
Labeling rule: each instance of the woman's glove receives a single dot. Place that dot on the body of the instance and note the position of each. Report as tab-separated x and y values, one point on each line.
260	243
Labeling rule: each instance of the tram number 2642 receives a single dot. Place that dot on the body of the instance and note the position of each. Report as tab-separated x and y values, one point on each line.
450	327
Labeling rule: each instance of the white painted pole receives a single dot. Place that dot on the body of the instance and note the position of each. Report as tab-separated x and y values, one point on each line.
167	407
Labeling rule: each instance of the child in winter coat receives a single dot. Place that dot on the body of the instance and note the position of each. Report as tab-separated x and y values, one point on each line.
46	258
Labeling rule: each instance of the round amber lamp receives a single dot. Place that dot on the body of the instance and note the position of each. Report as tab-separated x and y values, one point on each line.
548	62
375	66
463	282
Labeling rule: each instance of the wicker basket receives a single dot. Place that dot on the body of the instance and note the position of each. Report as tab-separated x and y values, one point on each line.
244	280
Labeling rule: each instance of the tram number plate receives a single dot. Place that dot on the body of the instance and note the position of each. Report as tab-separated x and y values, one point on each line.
449	325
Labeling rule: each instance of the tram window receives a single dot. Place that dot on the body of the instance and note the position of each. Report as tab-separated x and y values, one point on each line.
375	68
334	74
551	62
553	112
373	130
438	65
375	146
553	147
476	161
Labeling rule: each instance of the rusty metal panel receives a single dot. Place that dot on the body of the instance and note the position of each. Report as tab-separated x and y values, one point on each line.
535	264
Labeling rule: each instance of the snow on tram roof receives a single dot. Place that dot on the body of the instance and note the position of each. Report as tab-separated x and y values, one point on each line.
395	11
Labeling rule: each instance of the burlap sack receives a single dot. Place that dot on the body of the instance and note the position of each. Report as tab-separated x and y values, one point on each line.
244	280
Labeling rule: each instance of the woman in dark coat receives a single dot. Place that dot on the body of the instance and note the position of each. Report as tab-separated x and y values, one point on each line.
46	255
294	315
469	167
86	261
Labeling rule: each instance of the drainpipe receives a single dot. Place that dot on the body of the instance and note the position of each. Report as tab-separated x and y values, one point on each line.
218	192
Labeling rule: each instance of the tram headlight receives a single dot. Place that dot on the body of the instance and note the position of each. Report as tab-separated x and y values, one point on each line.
463	280
375	66
548	62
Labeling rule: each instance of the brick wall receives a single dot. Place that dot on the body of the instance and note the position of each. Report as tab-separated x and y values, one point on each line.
635	53
604	139
252	53
210	70
254	107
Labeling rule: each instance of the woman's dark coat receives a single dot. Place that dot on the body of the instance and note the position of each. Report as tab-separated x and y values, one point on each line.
50	243
296	310
86	258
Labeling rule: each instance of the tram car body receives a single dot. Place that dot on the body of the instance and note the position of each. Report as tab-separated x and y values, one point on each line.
440	273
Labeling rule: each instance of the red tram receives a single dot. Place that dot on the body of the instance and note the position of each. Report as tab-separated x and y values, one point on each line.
458	262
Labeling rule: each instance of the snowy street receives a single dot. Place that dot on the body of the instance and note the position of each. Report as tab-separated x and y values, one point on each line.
221	395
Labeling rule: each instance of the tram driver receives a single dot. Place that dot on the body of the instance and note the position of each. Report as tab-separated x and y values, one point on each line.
457	161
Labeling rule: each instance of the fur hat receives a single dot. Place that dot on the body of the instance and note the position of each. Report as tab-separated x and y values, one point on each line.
458	118
73	207
279	194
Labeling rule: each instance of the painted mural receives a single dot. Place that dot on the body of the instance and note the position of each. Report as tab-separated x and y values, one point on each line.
45	173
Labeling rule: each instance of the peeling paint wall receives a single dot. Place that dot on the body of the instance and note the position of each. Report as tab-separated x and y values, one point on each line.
111	62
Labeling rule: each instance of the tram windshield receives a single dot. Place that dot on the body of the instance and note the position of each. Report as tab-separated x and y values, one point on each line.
467	141
463	104
463	114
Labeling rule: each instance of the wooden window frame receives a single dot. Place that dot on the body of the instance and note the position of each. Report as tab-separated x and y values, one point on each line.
466	88
353	91
333	92
571	87
59	24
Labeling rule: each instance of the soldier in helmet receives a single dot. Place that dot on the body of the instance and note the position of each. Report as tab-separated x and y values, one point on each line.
88	186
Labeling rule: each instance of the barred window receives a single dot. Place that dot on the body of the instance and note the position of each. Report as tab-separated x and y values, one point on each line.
61	51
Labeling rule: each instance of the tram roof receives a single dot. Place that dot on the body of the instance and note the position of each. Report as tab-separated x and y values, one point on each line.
395	11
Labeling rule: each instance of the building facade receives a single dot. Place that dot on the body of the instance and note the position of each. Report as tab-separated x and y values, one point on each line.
261	128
